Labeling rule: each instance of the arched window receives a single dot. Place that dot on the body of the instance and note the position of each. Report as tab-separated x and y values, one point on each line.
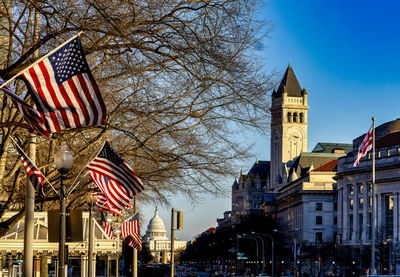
301	117
294	117
289	117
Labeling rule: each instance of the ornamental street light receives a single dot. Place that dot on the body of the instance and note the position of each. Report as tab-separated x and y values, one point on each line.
63	162
90	199
272	250
245	236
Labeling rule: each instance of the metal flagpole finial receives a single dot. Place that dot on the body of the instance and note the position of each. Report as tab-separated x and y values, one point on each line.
373	118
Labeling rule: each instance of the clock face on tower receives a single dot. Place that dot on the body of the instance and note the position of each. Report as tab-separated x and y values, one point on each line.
295	141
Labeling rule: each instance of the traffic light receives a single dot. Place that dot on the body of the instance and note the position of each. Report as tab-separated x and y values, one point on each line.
179	222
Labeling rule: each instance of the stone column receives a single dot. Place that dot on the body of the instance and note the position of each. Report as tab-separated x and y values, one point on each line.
108	266
395	217
1	266
36	266
56	267
117	267
365	232
346	226
379	212
83	265
340	208
44	269
354	235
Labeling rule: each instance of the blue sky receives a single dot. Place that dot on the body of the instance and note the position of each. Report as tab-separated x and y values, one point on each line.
346	54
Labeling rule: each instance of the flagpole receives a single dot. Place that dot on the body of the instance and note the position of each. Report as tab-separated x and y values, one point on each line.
38	61
373	201
30	160
135	252
29	189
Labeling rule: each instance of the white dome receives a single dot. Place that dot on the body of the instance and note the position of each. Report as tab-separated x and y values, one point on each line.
156	228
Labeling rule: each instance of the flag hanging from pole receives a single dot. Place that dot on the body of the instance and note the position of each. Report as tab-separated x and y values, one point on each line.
35	176
130	228
114	177
64	90
106	226
31	116
365	146
101	203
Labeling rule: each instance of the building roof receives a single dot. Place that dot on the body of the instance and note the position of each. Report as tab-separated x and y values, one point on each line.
329	166
306	160
260	168
329	147
381	131
290	83
156	228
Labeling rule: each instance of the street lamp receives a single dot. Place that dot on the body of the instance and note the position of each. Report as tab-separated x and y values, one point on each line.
63	162
272	249
263	249
254	238
90	199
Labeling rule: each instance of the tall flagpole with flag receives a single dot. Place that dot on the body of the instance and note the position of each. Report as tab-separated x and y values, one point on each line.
366	145
373	200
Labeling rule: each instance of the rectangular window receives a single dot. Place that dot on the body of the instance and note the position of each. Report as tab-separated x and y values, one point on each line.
318	206
351	224
360	189
389	216
351	203
335	206
318	220
318	237
360	203
335	220
351	189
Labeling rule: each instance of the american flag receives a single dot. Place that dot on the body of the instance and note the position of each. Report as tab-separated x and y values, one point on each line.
31	116
130	228
106	226
35	176
101	203
64	90
365	146
135	242
114	177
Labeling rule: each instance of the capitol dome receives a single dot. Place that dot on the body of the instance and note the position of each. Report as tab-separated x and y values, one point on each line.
156	228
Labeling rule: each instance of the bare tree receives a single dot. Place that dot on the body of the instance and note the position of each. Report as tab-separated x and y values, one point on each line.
181	81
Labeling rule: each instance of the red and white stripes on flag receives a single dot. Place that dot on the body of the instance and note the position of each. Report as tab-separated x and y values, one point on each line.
365	146
106	226
136	243
101	203
130	228
114	177
35	176
31	116
64	90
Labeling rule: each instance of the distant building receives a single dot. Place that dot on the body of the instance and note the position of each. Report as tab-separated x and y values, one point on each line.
247	193
289	122
296	186
354	190
305	206
159	243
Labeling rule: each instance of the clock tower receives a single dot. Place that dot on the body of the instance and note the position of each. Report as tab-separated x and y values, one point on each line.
288	125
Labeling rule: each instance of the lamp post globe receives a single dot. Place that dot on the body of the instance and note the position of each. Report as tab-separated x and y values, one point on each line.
63	159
